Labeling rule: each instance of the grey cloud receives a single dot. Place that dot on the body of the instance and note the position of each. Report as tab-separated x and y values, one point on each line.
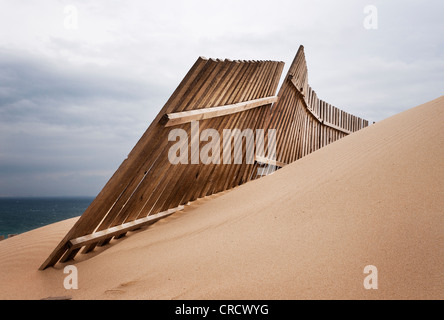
56	120
72	105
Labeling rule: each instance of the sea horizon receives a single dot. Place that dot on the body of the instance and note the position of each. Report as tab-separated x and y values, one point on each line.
19	214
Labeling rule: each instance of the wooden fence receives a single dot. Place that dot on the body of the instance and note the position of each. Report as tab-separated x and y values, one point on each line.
216	95
305	123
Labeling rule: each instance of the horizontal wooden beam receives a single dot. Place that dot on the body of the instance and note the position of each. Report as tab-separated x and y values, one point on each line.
315	115
333	126
268	161
293	81
173	119
115	231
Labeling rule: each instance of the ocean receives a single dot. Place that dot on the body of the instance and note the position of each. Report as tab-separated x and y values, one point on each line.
18	215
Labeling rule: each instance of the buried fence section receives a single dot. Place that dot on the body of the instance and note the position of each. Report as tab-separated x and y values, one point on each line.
223	126
147	184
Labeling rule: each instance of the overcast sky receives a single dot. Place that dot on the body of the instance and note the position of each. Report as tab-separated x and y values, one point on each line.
74	101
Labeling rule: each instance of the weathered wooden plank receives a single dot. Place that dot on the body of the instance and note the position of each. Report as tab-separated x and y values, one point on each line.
117	230
173	119
264	160
331	125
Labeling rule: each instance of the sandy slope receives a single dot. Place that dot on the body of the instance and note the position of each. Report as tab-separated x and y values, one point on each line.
307	231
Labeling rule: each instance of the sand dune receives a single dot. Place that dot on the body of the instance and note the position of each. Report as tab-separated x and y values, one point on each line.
375	197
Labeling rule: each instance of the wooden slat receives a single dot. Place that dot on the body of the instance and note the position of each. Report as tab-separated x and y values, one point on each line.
173	119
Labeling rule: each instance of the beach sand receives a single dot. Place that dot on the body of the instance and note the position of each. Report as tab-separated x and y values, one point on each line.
307	231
